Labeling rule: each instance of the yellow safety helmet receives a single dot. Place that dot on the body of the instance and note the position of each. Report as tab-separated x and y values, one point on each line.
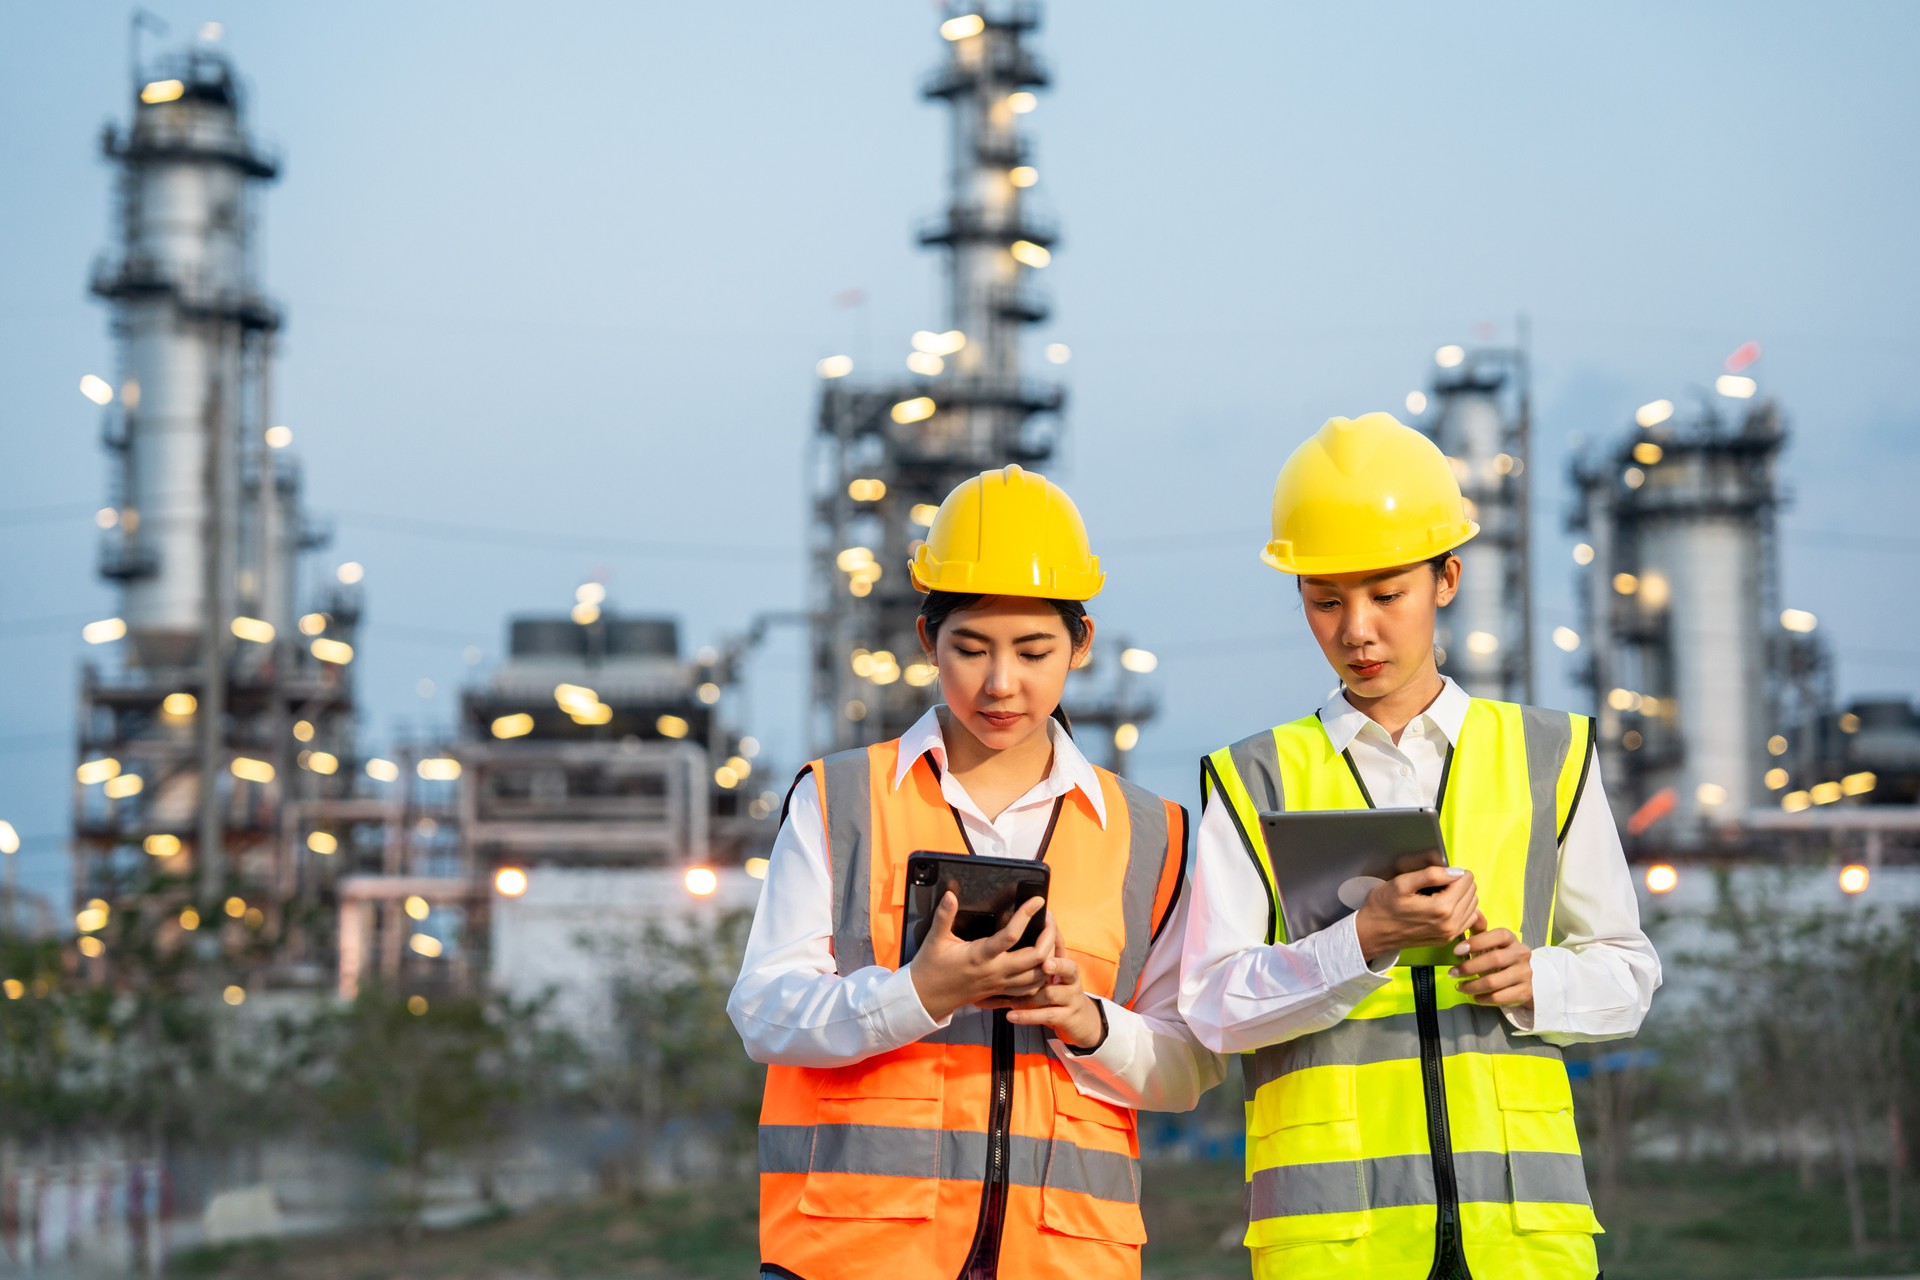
1008	533
1365	493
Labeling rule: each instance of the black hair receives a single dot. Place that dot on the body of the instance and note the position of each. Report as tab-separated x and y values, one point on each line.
937	606
1436	563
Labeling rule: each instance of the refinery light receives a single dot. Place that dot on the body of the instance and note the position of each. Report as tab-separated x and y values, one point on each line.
510	881
518	725
834	367
327	649
438	769
96	389
701	881
1126	737
1024	175
1033	255
104	631
1022	102
1139	661
1798	620
382	770
918	409
1653	413
1449	356
1566	639
967	24
1735	387
1853	878
1662	878
1058	353
162	91
279	437
1416	402
938	344
256	630
9	838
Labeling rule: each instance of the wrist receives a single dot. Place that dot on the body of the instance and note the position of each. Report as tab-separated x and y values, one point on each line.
937	1006
1087	1031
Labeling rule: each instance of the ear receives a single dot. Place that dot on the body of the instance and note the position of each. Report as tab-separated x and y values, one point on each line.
1083	652
1449	585
926	641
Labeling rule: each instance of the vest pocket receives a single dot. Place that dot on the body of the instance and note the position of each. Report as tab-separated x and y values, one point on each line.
1091	1186
1547	1179
1306	1183
877	1139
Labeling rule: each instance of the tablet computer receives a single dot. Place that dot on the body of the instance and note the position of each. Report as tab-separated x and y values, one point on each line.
1327	862
990	891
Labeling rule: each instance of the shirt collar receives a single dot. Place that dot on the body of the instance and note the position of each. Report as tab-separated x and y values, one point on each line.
1344	722
1071	768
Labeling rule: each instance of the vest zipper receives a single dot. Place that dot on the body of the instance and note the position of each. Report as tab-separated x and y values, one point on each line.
1449	1260
983	1259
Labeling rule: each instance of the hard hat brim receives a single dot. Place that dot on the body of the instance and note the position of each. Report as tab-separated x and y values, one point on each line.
1279	555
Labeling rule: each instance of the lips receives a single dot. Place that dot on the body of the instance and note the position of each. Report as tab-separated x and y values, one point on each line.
1001	719
1366	670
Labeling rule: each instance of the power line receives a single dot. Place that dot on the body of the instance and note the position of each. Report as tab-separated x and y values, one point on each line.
493	534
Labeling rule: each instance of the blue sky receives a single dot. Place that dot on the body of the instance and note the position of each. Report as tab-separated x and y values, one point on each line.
564	270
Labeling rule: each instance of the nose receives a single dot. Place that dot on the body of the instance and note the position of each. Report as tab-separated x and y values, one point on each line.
1000	681
1356	627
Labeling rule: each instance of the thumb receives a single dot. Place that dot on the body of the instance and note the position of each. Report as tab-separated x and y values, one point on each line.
943	915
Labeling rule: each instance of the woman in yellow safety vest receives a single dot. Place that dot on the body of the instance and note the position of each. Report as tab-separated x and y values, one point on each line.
970	1114
1408	1122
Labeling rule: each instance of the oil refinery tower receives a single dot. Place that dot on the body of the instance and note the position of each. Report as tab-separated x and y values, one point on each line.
888	451
1481	417
222	710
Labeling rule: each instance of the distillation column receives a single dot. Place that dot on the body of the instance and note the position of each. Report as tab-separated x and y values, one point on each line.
890	450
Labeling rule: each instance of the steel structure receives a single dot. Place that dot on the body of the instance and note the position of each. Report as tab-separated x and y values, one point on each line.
224	709
1692	671
888	450
595	747
1481	417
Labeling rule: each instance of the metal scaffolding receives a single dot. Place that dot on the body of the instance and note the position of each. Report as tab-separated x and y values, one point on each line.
887	451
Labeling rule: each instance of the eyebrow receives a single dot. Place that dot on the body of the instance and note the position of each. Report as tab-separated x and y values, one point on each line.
1365	582
983	638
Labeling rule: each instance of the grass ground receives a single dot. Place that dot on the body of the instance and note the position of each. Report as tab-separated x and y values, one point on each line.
1674	1223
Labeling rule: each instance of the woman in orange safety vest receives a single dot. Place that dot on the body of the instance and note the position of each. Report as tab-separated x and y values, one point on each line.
971	1114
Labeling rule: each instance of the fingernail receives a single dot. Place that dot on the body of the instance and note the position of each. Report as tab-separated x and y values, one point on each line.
1454	972
1461	949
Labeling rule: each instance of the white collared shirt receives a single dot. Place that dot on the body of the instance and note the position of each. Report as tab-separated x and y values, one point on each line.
792	1008
1238	993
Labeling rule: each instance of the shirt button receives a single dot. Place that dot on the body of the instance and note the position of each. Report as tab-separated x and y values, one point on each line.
1405	772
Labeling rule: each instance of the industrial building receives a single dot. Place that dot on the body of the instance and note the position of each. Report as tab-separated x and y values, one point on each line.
888	448
1719	732
219	788
1480	415
223	706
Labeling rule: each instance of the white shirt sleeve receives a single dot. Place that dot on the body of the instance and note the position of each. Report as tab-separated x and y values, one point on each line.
1596	982
1150	1060
790	1005
1237	992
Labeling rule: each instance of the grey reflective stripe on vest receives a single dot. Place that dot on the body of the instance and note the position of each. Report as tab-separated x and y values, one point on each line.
1549	737
1146	858
1257	761
1356	1042
1398	1182
974	1027
849	812
885	1151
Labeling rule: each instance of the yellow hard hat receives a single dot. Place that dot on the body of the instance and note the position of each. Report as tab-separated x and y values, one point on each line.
1008	533
1365	493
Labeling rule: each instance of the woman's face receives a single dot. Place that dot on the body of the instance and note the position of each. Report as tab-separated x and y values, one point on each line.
1376	628
1003	665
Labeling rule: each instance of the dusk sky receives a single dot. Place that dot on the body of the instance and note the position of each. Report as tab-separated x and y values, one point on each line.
556	278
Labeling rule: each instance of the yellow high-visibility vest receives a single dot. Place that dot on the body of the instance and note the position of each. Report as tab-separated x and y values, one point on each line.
1421	1138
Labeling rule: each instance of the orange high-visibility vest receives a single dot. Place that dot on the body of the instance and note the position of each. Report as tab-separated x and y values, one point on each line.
973	1144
